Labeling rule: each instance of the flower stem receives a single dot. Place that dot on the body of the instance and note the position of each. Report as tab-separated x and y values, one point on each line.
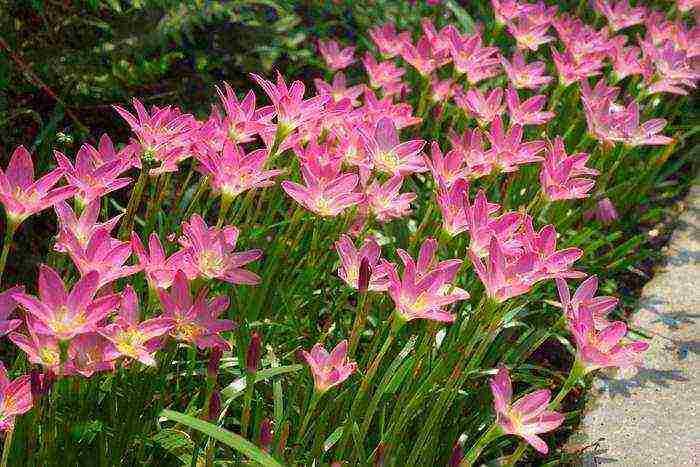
6	446
359	323
133	206
226	201
10	229
195	198
473	454
577	371
315	397
247	401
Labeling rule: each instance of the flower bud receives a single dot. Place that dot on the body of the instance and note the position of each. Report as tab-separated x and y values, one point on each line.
265	434
41	383
214	406
253	356
364	275
213	364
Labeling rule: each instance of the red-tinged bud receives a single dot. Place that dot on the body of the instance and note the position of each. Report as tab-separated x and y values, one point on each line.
457	455
253	356
265	434
364	275
213	364
41	383
214	406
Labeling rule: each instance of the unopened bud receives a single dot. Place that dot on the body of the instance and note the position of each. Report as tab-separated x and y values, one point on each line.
214	406
213	364
253	356
41	383
457	455
363	276
265	434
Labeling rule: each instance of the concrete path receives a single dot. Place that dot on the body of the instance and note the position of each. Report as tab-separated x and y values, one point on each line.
652	418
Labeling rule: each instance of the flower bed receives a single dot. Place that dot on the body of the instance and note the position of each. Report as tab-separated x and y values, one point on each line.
364	274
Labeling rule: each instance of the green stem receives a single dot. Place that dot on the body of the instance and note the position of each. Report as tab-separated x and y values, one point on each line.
315	397
6	446
195	198
473	454
359	323
134	201
247	401
226	201
10	229
577	371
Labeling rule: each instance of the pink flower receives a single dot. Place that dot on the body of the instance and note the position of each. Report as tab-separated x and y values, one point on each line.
15	398
80	229
388	154
385	202
233	172
88	354
210	253
425	288
131	338
291	107
159	269
507	149
41	349
335	57
471	146
528	416
561	174
66	315
626	61
339	90
90	176
673	67
470	57
524	75
571	70
331	369
584	297
441	90
376	109
451	201
604	212
242	121
604	348
620	15
7	307
484	108
324	196
528	112
507	10
504	277
422	57
161	135
195	321
21	195
447	169
529	35
482	226
382	74
350	259
387	40
549	263
102	254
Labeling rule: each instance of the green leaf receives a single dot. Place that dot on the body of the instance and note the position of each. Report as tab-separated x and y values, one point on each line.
462	16
231	440
231	391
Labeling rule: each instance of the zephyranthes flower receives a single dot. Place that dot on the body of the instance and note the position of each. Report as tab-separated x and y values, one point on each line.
528	416
426	286
196	321
329	369
584	297
351	257
65	315
15	398
21	195
132	338
388	154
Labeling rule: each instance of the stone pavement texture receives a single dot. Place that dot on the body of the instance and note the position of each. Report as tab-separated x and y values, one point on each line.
652	418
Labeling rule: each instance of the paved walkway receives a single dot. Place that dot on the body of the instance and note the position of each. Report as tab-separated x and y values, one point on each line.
653	418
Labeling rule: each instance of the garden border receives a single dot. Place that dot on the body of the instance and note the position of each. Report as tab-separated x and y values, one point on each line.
651	418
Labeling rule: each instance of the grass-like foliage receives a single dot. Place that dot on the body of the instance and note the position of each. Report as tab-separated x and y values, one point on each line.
413	264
